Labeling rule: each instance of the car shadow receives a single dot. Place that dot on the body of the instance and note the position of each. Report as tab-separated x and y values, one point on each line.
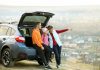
27	65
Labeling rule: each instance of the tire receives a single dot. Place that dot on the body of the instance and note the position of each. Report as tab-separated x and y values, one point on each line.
39	61
6	58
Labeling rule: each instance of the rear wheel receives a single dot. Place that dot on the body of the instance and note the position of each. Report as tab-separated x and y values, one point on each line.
7	58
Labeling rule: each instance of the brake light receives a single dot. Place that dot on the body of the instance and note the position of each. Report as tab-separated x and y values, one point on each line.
20	39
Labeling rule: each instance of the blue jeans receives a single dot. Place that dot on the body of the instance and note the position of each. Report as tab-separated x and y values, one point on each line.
57	52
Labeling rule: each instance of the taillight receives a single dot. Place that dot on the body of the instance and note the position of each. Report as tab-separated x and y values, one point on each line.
20	39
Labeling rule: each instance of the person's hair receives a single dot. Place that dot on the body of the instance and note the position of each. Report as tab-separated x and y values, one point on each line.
37	23
49	27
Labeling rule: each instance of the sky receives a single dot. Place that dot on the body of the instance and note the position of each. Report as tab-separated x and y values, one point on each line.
82	16
48	2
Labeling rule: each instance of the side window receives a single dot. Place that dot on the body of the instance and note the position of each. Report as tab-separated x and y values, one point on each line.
12	31
3	30
9	32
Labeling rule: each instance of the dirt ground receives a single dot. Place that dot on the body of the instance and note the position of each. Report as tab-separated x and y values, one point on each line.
66	65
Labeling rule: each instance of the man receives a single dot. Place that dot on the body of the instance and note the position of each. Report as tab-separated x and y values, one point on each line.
37	43
55	43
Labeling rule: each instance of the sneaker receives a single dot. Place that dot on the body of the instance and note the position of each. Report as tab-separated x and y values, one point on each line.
48	67
58	66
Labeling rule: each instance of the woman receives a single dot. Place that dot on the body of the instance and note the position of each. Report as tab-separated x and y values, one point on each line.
55	43
45	39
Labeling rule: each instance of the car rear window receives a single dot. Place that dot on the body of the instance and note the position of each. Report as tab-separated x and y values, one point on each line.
34	19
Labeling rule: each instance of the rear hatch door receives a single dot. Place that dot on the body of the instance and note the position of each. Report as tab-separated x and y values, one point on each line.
28	19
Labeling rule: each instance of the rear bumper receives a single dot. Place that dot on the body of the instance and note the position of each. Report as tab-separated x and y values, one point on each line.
21	51
27	53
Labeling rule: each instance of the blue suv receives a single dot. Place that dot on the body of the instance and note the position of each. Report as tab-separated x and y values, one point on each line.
16	41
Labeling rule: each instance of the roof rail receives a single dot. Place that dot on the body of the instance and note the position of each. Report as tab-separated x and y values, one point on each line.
14	22
3	22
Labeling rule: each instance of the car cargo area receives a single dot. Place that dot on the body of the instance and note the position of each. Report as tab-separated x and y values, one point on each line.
27	34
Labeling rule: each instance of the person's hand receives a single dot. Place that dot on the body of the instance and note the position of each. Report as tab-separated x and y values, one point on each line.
42	48
70	29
